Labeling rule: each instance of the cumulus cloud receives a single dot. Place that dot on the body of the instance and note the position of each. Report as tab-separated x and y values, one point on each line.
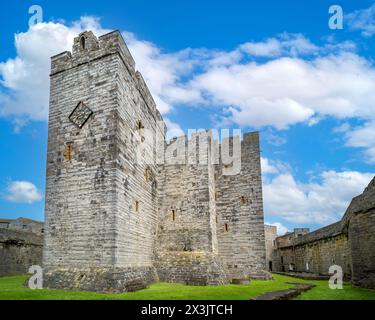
285	44
362	137
22	192
267	168
285	91
277	82
272	167
27	75
362	20
321	202
162	72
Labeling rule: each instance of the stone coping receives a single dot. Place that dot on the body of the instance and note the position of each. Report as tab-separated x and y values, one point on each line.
288	294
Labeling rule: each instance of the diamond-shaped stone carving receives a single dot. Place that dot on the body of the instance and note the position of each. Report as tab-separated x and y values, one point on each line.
80	115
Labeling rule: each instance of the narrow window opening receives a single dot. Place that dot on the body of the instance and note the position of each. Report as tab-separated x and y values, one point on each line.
243	201
173	215
68	152
137	206
83	43
147	174
226	227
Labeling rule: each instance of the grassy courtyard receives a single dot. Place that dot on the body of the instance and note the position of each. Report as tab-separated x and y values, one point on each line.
11	288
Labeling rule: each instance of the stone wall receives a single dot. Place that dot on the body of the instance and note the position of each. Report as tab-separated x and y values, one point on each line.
270	236
113	210
187	247
100	210
315	252
359	223
19	251
348	243
240	213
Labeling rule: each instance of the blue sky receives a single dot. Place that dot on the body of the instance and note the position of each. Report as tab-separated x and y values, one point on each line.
272	66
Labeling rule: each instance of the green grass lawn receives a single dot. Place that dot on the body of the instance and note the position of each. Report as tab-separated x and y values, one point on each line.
11	288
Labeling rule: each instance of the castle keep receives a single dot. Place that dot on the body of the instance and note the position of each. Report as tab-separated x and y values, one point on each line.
119	214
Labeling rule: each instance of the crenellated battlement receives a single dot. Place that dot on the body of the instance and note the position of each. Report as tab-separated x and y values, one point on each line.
87	47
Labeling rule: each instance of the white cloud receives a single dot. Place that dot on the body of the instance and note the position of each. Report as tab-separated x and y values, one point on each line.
27	75
319	203
267	168
275	139
271	167
362	20
362	137
286	91
281	229
22	192
285	44
296	82
162	72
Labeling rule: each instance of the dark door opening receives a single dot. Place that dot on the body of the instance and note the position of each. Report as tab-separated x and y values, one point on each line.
270	265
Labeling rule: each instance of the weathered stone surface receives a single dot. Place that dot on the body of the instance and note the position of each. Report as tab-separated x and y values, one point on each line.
19	251
113	211
314	252
240	207
114	280
348	243
288	294
270	236
359	220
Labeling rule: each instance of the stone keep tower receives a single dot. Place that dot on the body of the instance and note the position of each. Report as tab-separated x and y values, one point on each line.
100	208
115	219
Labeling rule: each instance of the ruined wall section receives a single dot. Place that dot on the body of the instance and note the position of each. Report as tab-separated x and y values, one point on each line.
240	227
270	236
348	243
19	251
359	222
316	252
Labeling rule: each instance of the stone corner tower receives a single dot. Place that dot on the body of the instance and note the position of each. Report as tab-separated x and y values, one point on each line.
100	205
